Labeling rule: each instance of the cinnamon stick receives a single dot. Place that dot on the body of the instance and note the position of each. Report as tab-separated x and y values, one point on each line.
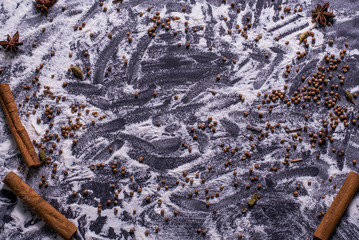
17	129
43	209
338	207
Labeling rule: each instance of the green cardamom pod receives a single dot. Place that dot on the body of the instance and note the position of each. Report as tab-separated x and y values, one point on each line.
77	72
349	97
253	200
303	36
43	156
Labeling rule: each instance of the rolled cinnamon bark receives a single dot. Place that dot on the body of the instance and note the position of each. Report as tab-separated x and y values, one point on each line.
17	129
43	209
338	207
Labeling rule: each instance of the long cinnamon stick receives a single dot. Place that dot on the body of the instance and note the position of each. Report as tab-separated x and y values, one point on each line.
43	209
17	129
338	207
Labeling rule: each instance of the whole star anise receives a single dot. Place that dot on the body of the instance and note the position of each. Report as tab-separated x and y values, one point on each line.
11	43
44	5
321	15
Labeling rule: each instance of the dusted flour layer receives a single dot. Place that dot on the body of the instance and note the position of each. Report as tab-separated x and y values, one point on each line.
130	128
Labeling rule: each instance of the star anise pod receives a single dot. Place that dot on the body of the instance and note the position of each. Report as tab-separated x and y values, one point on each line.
11	43
321	15
44	5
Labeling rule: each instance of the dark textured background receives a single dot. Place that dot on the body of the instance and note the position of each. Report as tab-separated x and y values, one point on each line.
158	64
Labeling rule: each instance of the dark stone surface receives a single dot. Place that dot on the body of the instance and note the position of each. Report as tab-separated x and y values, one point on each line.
158	64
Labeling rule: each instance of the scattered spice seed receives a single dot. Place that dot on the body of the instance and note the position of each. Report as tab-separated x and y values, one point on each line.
349	97
253	200
77	72
296	160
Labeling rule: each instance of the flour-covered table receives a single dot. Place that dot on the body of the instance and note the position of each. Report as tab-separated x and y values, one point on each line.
162	119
